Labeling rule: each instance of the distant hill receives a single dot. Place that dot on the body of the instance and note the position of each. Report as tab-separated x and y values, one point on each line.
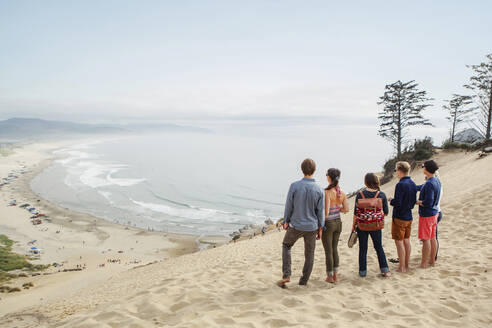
29	128
470	136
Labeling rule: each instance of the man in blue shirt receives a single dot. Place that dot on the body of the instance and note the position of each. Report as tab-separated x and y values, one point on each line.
403	203
428	213
303	217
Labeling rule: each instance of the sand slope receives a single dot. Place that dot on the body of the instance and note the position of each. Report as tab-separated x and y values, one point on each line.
234	285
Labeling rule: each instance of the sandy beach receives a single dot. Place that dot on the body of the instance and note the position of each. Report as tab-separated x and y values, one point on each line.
234	284
70	239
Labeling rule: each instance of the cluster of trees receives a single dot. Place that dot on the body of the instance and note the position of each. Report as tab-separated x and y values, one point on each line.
403	106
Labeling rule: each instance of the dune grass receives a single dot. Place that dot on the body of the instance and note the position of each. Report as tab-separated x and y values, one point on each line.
12	261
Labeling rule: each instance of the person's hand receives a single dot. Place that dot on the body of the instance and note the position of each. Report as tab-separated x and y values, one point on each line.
319	234
353	227
390	199
285	225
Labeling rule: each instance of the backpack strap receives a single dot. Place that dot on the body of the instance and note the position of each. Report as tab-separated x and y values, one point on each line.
377	194
362	195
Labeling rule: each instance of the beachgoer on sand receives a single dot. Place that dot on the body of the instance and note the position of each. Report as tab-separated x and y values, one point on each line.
428	213
303	217
369	221
439	217
335	202
401	225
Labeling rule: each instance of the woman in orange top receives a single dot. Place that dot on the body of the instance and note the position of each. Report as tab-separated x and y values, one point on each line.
335	203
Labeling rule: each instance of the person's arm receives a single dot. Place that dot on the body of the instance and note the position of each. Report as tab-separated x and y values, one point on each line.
428	199
345	206
320	214
357	197
289	207
327	203
398	196
385	204
354	221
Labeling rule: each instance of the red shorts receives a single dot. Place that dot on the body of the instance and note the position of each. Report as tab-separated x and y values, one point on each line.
427	227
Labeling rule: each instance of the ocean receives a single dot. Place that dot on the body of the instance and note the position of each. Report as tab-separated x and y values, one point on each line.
204	183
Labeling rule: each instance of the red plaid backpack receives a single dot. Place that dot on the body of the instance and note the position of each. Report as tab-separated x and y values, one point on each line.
369	213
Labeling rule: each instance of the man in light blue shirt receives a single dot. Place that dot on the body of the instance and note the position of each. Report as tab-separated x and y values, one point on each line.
303	217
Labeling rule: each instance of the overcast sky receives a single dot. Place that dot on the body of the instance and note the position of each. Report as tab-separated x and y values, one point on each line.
107	61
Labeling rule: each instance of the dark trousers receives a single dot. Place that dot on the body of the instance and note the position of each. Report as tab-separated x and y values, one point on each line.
290	238
330	237
437	239
377	241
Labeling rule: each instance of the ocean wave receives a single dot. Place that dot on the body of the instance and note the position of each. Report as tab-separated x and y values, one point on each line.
72	155
256	214
193	213
254	200
96	175
107	195
91	173
169	200
123	182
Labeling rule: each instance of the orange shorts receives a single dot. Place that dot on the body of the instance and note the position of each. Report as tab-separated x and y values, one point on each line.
427	227
400	229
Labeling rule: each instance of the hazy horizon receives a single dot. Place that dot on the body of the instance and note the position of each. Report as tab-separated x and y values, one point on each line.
264	63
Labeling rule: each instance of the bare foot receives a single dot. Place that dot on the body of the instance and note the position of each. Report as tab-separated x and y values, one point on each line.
423	266
387	274
282	283
330	279
401	270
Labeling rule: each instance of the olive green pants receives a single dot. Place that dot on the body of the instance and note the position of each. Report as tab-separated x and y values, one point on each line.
330	237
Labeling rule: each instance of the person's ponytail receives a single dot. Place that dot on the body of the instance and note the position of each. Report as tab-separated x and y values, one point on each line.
334	175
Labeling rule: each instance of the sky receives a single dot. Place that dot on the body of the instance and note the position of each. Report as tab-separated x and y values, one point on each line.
240	61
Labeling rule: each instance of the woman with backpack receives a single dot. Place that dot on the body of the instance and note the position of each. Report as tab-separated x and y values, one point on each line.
371	206
335	203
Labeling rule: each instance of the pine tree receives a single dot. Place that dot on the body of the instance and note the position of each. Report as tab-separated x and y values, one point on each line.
481	86
459	111
403	105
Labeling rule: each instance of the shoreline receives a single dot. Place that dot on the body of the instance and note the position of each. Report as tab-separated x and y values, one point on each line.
87	249
69	238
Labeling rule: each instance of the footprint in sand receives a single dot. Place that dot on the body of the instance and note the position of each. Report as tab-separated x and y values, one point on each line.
292	302
445	313
456	306
179	306
352	315
415	308
276	323
246	314
225	321
244	296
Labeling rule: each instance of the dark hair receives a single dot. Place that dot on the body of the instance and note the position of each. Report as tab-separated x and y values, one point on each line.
431	166
308	166
372	181
334	175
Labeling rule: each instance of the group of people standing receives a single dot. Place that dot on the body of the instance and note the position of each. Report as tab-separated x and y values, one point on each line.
315	214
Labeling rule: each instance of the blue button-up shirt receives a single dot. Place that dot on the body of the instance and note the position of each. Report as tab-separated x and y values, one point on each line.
405	199
430	194
305	205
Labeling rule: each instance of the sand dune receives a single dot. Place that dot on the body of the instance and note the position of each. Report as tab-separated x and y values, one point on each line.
234	285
